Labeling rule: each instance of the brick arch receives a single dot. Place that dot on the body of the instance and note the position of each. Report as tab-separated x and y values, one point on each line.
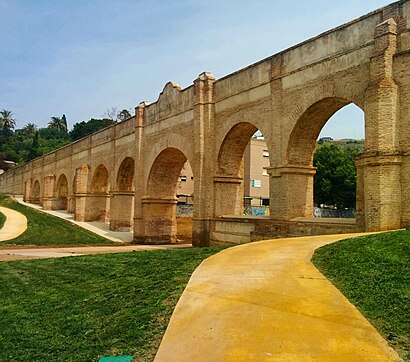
61	193
302	139
62	186
100	182
125	175
36	192
172	140
164	173
231	152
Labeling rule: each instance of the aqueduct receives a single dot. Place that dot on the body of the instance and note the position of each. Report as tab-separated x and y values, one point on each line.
127	174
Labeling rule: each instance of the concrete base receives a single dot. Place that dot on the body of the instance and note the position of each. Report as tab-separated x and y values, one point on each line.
229	230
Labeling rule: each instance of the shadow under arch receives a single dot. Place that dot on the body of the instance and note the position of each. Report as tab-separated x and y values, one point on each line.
159	205
61	193
125	175
98	202
229	181
36	193
122	197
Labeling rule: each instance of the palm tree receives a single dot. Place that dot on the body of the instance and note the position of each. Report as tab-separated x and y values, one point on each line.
6	119
30	129
58	123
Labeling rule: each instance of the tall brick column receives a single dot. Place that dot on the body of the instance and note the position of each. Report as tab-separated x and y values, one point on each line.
139	175
48	193
204	114
81	186
27	190
159	220
121	210
291	189
380	164
228	188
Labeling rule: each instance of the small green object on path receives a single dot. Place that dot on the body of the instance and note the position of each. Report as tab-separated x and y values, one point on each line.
116	359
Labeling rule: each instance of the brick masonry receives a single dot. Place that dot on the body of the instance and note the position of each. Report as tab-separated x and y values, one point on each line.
127	173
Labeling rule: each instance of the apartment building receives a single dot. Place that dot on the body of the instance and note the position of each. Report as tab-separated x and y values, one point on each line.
256	178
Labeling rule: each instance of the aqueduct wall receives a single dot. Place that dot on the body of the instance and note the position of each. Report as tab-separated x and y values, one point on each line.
127	173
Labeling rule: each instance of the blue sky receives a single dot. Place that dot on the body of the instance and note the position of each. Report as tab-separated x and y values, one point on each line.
81	58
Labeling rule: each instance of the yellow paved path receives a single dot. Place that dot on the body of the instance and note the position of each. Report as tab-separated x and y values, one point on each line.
15	225
265	301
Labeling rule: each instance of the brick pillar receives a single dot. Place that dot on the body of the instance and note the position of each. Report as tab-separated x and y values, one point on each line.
139	174
81	187
121	210
71	203
382	192
160	225
228	188
27	190
48	192
380	164
204	114
291	190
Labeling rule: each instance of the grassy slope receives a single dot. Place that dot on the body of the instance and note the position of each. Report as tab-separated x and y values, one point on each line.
2	220
80	308
44	229
373	272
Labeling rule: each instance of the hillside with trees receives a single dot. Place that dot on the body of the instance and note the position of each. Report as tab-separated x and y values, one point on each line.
18	146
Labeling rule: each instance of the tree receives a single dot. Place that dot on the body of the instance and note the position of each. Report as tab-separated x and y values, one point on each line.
7	120
30	129
123	115
83	129
58	123
335	179
111	113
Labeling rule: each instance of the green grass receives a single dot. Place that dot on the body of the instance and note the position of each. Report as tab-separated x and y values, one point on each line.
81	308
2	219
373	272
44	229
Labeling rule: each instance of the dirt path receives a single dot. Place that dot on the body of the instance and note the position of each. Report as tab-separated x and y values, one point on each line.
15	225
21	253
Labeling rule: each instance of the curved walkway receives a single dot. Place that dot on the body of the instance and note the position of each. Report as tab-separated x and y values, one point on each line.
266	302
15	225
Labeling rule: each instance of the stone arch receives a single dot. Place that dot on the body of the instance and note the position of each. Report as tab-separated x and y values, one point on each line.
100	182
159	206
61	193
122	198
229	181
164	173
172	140
295	179
98	202
36	192
230	154
125	175
302	139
